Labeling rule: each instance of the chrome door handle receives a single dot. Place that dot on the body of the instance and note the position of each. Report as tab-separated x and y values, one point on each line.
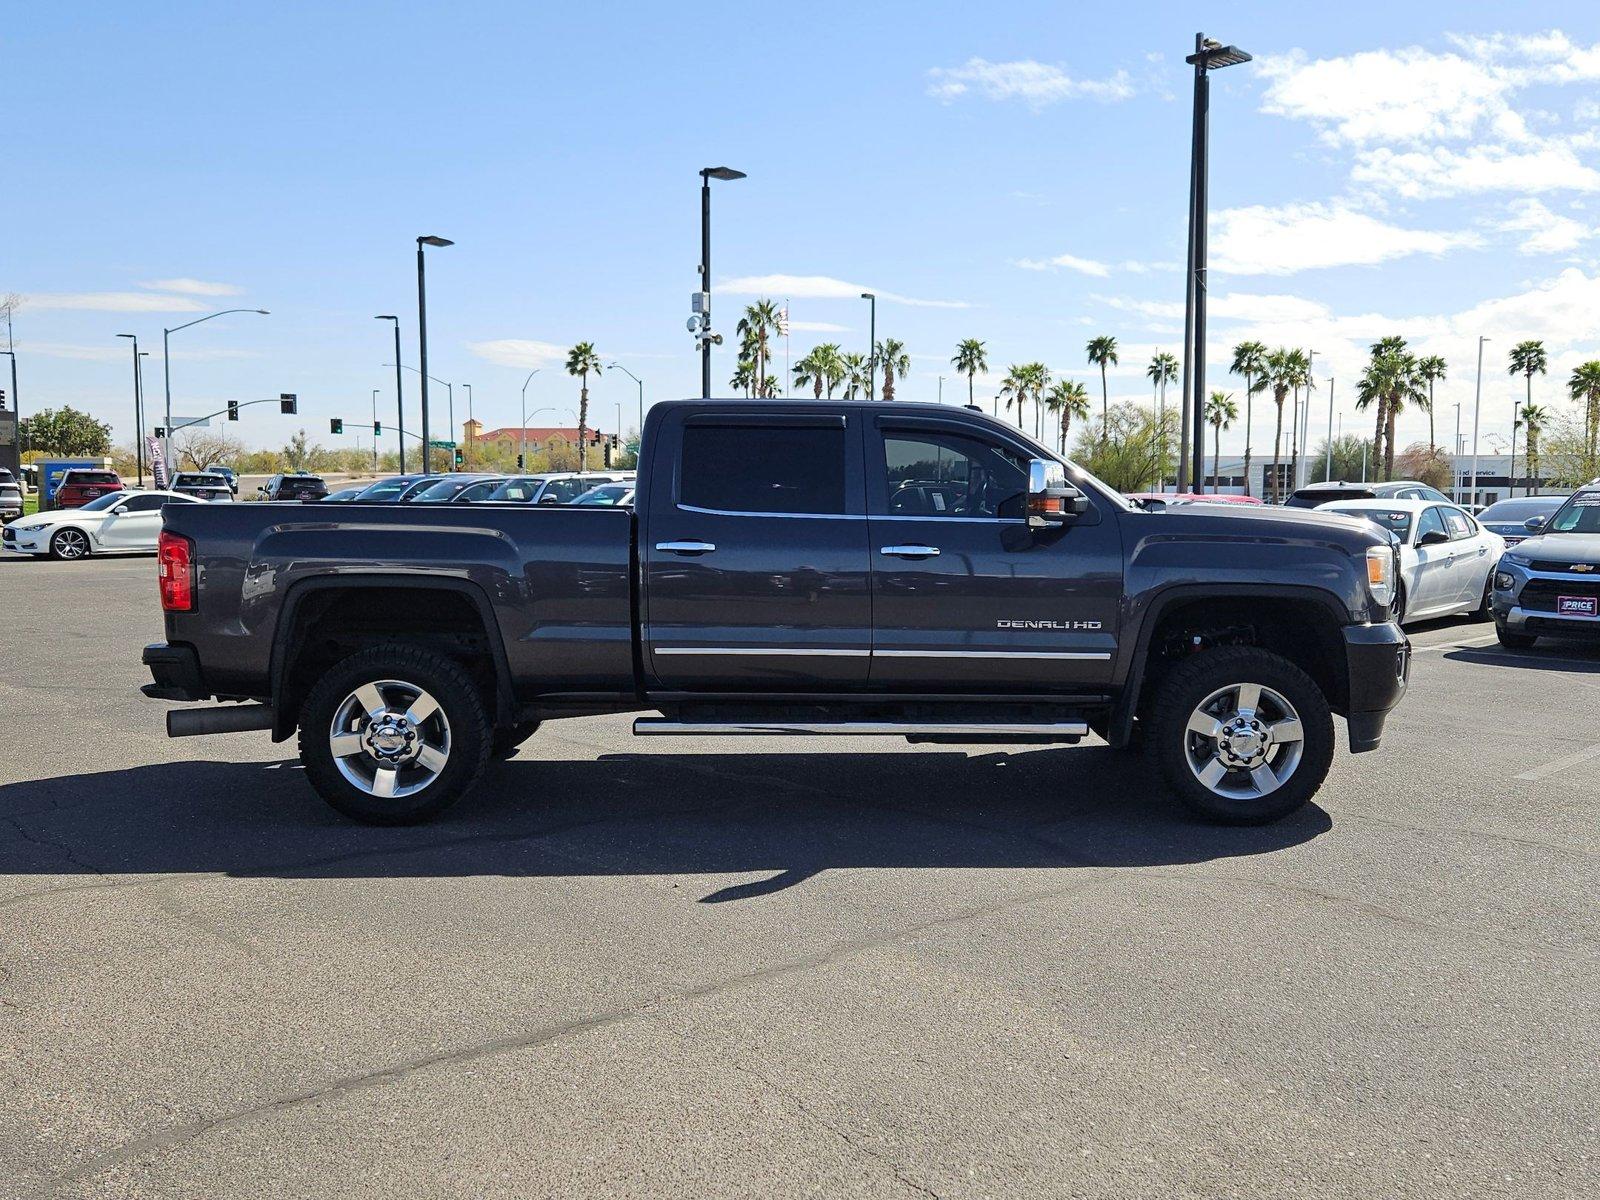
686	547
910	551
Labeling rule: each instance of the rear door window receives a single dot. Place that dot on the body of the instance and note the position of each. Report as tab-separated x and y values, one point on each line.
764	468
1459	525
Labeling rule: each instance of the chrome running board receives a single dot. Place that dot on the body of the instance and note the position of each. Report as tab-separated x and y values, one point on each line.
978	730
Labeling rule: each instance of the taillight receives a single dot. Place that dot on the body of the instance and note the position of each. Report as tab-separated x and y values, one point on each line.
175	570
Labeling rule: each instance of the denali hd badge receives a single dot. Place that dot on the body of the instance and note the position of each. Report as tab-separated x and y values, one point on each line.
1047	624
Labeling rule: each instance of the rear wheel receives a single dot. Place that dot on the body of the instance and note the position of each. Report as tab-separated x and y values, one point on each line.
69	544
1241	735
393	735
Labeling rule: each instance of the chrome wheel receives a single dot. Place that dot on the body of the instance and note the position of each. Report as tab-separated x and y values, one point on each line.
70	543
1244	741
390	738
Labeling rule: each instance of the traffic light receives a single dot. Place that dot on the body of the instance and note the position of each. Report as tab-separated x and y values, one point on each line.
377	429
2	399
519	462
161	431
336	425
460	456
233	410
288	403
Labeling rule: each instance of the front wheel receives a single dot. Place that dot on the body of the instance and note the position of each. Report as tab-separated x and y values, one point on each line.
69	544
1485	609
1241	735
394	735
1513	641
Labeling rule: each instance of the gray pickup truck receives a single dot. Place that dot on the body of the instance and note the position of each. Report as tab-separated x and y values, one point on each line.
790	568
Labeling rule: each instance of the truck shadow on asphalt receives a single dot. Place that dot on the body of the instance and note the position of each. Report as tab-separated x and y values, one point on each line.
784	816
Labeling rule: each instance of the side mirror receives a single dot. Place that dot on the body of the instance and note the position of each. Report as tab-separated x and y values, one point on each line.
1433	537
1534	524
548	500
1051	499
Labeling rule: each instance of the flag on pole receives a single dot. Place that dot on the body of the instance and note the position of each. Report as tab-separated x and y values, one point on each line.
158	462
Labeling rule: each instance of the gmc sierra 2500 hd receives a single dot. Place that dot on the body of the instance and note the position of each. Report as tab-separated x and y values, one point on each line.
791	568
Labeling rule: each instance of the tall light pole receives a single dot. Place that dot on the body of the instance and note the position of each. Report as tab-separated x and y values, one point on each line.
375	392
468	386
707	174
1305	419
872	344
16	401
399	394
522	432
422	334
619	367
166	378
941	389
1327	470
1208	56
138	407
1477	412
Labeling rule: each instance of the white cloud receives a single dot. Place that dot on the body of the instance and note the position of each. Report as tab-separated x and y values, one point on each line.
1235	306
519	352
1035	84
130	302
1071	262
819	287
817	327
1548	232
1258	240
192	287
1441	171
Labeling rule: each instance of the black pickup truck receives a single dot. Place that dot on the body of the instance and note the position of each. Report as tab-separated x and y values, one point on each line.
790	568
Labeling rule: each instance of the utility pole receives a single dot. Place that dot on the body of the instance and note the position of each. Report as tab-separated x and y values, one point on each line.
1477	413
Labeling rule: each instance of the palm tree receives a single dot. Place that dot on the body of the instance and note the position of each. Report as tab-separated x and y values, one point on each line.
582	361
892	355
1278	375
1430	370
856	374
822	368
1221	413
1163	369
970	358
1249	360
1302	379
1037	376
1014	388
1533	416
1391	379
1068	400
1102	352
744	377
1584	386
761	320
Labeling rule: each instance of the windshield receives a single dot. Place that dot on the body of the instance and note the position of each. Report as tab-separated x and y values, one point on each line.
1580	514
103	502
1396	521
514	489
1514	512
387	490
443	490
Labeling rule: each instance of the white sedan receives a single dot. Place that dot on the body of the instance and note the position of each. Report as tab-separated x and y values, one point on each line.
1447	559
118	522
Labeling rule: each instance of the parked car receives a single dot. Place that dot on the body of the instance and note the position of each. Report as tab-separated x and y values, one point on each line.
1315	495
566	486
117	522
775	578
442	491
1509	518
1550	584
227	473
344	494
613	495
1446	557
78	486
396	488
10	496
1157	501
202	485
298	485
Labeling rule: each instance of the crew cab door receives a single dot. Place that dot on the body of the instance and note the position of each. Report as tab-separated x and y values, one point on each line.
754	551
966	596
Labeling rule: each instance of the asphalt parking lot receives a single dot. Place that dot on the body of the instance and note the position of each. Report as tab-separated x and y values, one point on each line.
658	968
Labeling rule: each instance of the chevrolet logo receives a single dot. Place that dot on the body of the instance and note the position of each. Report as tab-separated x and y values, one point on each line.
1581	567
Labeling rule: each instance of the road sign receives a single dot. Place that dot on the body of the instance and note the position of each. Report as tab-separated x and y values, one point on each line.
438	445
181	423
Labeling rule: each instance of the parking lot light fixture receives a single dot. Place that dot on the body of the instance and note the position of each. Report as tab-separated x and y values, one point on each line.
399	393
872	344
616	366
522	430
138	408
166	374
707	174
422	333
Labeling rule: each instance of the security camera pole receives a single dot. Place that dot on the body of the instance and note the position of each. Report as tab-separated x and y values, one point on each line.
703	300
1209	55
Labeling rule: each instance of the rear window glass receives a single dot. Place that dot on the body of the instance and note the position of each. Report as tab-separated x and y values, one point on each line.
92	477
1394	520
763	469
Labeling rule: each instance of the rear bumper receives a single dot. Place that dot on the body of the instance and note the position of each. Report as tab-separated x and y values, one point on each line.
175	670
1378	662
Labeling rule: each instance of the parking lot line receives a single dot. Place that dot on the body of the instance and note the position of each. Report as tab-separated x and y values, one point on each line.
1453	645
1561	764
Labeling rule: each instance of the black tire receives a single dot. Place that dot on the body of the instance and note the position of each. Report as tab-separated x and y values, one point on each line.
69	544
466	734
1485	609
1171	745
1513	641
508	738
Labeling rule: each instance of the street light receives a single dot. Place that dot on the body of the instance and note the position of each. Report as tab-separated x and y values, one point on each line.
872	345
422	334
522	430
138	407
166	378
399	394
703	329
468	386
1208	56
619	367
449	391
1477	412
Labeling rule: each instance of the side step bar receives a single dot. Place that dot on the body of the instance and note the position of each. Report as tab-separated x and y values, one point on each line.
231	718
986	731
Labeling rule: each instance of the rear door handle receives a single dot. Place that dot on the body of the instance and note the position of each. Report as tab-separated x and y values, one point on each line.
686	547
910	551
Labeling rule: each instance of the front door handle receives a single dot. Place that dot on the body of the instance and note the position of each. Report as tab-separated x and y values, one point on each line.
910	551
686	547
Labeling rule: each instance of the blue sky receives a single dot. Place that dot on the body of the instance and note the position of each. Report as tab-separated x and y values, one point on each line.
1017	175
